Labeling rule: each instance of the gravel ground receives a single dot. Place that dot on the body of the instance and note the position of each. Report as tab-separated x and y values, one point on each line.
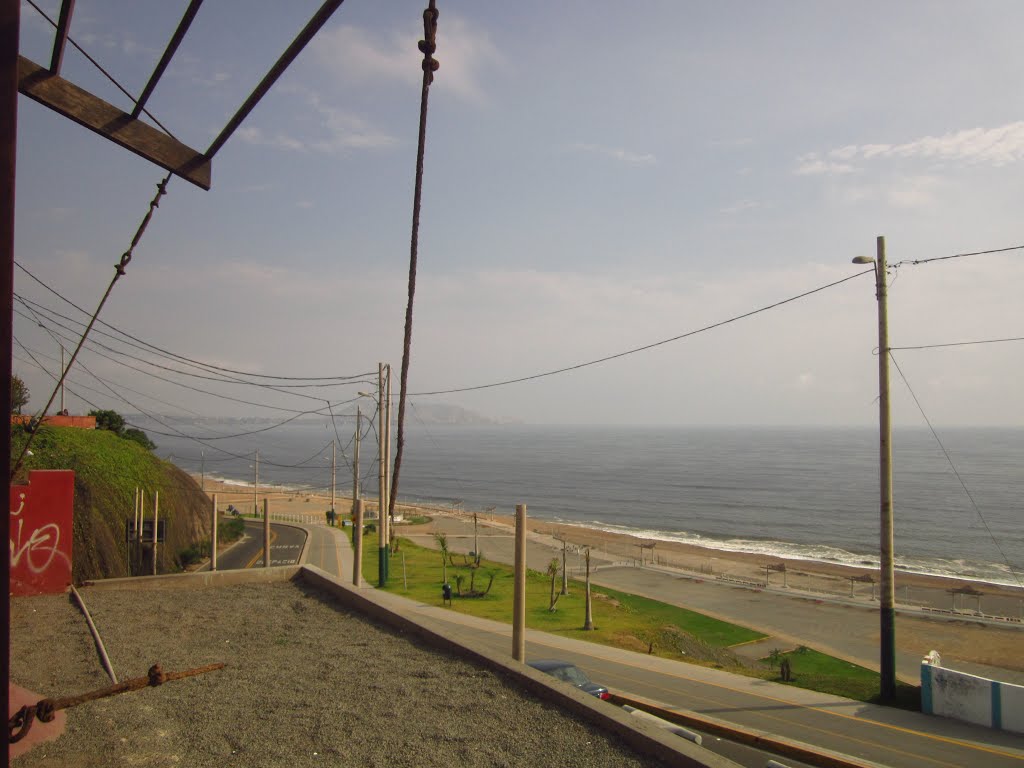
308	683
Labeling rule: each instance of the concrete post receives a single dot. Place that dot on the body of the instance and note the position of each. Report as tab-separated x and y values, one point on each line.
519	596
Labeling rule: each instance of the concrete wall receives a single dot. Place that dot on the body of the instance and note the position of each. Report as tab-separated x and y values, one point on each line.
948	693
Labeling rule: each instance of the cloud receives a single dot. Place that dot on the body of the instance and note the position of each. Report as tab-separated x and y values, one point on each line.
616	153
341	131
898	191
813	165
256	137
740	207
994	147
356	57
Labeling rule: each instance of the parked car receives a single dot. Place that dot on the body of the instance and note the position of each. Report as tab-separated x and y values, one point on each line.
572	674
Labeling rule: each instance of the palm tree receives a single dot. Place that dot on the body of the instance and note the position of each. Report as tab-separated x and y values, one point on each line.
442	544
553	573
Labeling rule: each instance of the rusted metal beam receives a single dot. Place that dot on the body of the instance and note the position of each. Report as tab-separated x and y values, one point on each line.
300	42
60	39
172	46
110	122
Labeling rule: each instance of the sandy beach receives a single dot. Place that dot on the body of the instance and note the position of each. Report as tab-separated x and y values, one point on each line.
801	576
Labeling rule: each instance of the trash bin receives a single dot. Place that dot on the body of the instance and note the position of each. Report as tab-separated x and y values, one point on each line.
446	592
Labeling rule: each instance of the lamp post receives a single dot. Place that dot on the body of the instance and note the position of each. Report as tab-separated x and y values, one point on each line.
887	592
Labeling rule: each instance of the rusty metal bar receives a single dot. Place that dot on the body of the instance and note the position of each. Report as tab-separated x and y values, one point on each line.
18	726
172	46
60	40
10	13
300	42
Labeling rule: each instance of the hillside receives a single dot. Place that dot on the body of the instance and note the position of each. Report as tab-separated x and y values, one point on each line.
108	469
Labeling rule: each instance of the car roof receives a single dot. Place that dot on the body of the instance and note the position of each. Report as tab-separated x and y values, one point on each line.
546	664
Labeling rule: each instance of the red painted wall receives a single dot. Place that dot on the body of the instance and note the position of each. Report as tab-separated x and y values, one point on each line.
81	422
41	532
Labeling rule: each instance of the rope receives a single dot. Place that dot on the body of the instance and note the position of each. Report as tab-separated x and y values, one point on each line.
126	257
429	65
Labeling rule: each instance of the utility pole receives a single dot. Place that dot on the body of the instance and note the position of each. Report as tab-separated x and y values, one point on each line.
266	533
334	467
565	576
156	525
62	379
382	486
887	591
202	470
519	589
387	474
256	485
355	463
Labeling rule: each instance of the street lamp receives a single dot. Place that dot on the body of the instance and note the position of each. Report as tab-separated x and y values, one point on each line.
887	592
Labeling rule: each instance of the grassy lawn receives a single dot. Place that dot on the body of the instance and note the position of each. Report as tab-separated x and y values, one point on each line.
819	672
621	620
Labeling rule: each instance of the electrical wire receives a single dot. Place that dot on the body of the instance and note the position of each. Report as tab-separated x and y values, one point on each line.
340	379
646	347
959	343
960	479
915	262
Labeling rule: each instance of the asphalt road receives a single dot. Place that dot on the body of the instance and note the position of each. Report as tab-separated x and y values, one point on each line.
877	734
286	542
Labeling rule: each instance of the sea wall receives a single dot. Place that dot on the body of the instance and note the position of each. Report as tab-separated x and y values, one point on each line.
958	695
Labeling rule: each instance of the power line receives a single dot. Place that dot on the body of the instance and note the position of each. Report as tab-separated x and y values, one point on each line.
915	262
646	347
960	343
340	379
949	459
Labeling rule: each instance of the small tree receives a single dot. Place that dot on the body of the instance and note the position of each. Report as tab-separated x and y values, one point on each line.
109	420
442	544
553	573
140	437
19	394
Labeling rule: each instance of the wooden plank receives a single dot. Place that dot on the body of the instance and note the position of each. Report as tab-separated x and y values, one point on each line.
107	120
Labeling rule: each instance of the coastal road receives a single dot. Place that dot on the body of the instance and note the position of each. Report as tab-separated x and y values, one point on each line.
880	735
286	542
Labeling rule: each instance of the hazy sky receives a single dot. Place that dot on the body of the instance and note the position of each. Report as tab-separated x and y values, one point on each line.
599	177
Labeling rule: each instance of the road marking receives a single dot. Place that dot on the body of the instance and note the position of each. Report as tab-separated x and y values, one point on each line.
258	555
897	728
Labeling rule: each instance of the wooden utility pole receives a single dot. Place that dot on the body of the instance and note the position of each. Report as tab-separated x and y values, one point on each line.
382	485
519	595
266	533
357	543
334	468
213	537
256	485
355	463
565	576
887	591
156	525
588	620
387	453
202	470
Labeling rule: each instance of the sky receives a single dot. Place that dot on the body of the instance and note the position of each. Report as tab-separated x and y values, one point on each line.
598	178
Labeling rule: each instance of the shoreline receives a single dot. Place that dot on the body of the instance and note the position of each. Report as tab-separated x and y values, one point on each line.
913	588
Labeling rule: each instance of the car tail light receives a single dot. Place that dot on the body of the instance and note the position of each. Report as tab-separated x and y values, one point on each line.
604	695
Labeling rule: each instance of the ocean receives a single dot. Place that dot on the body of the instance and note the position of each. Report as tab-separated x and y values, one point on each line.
809	493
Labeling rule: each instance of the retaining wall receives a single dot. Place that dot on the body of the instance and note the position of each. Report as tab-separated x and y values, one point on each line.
973	699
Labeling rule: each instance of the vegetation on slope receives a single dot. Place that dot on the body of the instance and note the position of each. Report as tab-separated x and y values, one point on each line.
108	469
